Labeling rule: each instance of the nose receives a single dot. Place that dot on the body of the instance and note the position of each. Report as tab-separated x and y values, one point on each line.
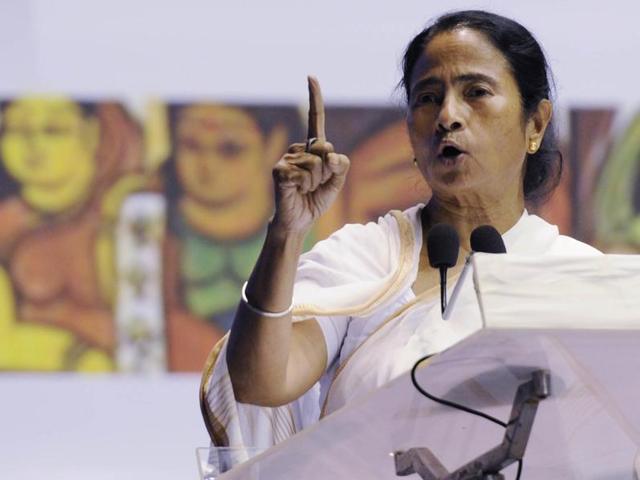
450	115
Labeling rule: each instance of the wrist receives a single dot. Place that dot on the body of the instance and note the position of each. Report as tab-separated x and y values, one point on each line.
270	286
285	235
258	311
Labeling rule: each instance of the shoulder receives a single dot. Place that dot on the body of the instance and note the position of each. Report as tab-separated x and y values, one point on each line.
568	245
391	226
563	244
366	250
532	235
373	238
396	229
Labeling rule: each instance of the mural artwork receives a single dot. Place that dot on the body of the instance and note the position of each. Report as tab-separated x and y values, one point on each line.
124	241
67	166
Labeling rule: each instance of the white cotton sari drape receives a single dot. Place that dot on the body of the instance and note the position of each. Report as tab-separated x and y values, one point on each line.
363	273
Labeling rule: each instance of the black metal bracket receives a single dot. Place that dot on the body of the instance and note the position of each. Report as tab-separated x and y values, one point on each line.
487	466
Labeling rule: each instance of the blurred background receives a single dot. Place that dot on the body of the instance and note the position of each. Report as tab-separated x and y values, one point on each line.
136	144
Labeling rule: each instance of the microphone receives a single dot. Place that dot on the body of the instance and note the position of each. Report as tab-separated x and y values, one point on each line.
442	247
487	239
484	239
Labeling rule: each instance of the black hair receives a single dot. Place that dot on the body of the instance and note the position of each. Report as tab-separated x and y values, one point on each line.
532	74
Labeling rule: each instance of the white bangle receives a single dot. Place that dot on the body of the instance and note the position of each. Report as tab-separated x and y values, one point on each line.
262	313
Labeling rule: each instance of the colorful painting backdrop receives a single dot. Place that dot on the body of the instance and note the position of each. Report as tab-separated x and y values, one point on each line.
124	240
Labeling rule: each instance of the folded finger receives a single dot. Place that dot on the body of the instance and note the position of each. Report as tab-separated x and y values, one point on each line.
338	163
297	148
288	175
321	148
338	166
311	163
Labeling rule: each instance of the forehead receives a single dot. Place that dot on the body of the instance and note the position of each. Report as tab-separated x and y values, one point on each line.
211	119
460	51
41	109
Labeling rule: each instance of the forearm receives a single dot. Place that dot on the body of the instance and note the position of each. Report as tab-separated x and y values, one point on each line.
271	361
270	287
259	347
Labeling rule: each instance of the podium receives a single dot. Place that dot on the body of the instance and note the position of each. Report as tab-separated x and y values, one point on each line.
587	428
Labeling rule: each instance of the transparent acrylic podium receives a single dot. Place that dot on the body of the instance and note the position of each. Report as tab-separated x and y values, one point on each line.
578	318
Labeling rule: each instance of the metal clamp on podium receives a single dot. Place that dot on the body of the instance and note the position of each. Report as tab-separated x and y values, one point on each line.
487	466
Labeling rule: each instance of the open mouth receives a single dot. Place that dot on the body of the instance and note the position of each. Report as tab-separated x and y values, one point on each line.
450	154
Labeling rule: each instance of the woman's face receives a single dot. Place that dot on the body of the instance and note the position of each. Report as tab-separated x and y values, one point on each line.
43	141
465	120
219	154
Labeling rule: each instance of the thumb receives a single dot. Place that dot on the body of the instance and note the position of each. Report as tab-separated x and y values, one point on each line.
338	165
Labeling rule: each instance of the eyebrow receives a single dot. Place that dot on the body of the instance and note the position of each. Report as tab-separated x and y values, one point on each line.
463	78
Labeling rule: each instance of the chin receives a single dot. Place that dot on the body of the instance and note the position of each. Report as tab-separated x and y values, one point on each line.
452	185
450	178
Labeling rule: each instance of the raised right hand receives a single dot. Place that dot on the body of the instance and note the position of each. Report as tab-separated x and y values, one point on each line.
308	180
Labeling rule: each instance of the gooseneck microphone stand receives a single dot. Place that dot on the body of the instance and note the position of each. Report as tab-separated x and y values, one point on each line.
487	466
442	247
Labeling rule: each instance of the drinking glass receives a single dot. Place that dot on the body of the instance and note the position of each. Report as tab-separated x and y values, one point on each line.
214	461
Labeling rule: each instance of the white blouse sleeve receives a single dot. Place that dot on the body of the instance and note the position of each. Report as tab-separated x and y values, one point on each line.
334	330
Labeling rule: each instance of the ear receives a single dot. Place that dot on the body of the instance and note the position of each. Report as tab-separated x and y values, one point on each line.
538	121
275	145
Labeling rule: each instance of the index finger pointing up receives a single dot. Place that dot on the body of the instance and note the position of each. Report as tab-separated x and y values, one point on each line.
316	110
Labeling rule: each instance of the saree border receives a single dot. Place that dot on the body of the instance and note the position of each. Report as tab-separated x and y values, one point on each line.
214	425
405	264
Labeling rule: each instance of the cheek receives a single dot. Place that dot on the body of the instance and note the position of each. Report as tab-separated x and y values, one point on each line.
513	142
13	155
419	127
63	153
503	134
420	121
185	169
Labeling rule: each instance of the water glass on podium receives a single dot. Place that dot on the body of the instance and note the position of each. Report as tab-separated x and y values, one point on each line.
214	461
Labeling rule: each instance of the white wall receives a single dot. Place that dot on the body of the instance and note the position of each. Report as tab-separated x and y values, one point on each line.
262	50
75	427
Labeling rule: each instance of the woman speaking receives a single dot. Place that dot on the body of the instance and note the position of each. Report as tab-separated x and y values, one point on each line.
315	331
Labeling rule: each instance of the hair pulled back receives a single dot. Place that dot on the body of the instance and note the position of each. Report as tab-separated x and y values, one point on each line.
532	75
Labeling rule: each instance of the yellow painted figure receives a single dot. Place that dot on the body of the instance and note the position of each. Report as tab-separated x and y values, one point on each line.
67	173
48	147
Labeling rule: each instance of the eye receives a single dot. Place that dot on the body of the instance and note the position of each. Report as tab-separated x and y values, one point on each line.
230	149
426	98
190	145
477	92
57	130
16	130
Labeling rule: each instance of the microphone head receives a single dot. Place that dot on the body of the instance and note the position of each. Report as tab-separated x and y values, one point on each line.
442	246
487	239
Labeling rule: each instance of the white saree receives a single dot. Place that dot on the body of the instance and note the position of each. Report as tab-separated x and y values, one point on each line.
357	284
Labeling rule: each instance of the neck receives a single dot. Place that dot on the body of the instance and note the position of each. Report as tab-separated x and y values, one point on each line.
240	221
464	217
